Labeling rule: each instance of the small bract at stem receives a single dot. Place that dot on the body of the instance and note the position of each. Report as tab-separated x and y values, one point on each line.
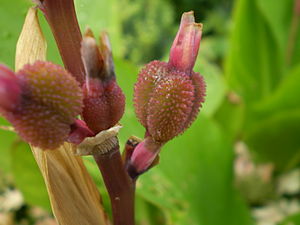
143	156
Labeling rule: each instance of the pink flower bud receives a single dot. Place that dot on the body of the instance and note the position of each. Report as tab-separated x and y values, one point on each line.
168	96
104	101
50	100
185	47
9	89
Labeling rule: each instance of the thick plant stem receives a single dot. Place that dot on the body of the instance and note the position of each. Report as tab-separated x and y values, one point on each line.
120	186
61	17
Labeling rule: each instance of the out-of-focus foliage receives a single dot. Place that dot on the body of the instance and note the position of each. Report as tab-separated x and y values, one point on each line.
132	24
294	219
250	59
203	8
140	31
10	28
263	68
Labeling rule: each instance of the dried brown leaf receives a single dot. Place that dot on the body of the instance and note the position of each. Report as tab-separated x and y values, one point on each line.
74	196
31	44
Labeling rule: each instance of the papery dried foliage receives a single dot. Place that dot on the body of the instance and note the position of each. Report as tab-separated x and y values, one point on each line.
31	45
73	195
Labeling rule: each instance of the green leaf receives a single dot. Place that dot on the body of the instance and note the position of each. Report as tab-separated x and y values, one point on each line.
285	97
7	138
279	24
11	21
273	131
254	66
27	176
276	139
284	26
126	77
292	220
215	85
231	116
99	16
160	191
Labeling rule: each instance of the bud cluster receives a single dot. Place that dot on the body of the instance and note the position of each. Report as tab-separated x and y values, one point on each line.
43	100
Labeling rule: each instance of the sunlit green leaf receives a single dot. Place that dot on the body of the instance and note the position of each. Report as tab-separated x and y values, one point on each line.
7	139
11	22
254	66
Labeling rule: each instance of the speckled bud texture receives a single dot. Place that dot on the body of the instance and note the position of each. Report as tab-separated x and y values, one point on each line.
167	100
104	101
50	100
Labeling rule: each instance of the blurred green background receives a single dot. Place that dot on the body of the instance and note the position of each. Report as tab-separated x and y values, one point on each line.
238	164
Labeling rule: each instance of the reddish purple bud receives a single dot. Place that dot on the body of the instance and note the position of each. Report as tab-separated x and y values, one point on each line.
9	89
168	96
79	131
104	100
167	101
50	101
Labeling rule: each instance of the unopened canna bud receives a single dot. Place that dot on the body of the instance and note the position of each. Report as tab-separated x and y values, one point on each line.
50	100
186	45
168	96
9	89
104	101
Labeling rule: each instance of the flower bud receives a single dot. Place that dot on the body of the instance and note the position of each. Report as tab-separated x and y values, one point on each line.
104	100
168	96
185	47
9	89
50	100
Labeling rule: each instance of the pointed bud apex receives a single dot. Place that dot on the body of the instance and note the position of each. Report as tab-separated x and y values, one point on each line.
97	60
79	131
185	47
91	57
104	100
50	101
106	51
9	89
